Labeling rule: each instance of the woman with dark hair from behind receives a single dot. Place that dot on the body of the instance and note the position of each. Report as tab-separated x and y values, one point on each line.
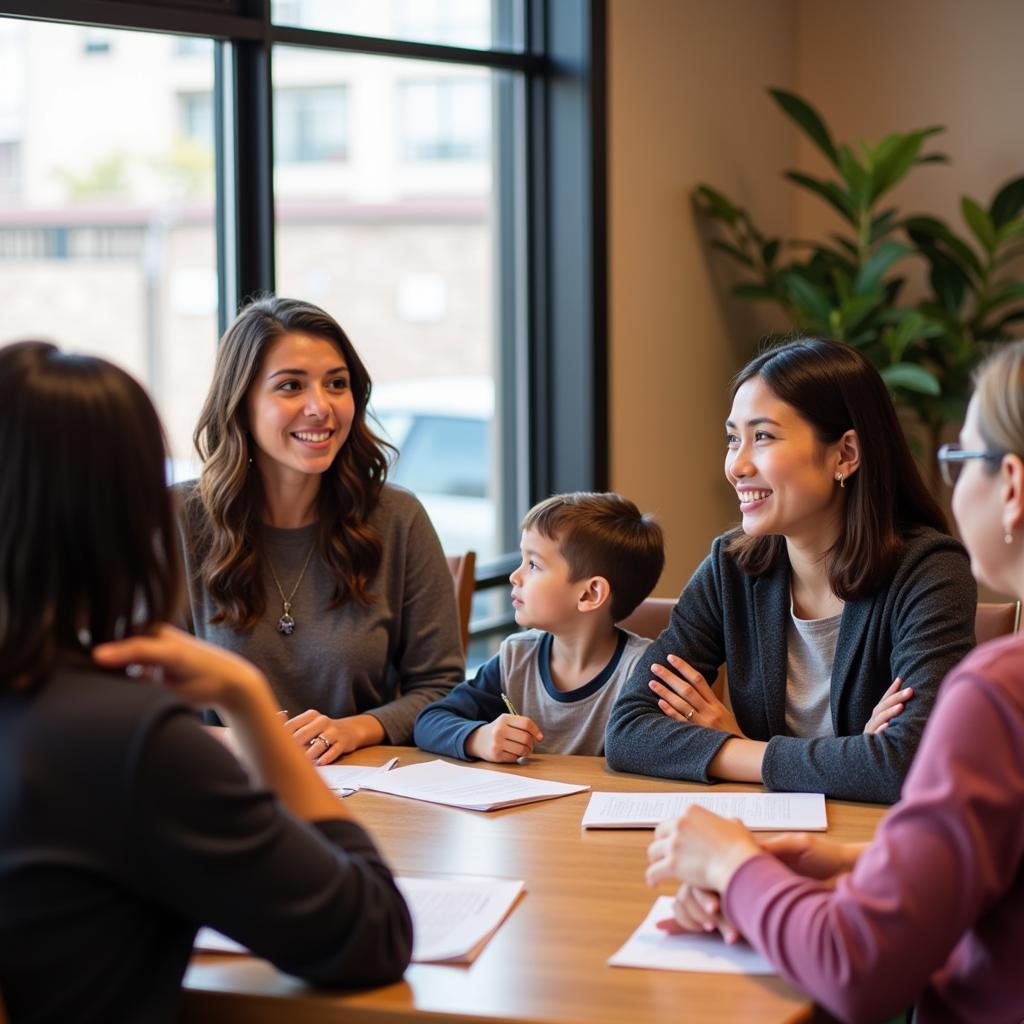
837	606
123	824
299	555
931	912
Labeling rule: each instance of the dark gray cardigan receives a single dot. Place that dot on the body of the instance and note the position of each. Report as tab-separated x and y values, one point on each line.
918	626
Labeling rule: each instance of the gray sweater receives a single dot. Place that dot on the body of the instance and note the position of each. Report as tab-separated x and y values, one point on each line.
390	660
573	721
918	625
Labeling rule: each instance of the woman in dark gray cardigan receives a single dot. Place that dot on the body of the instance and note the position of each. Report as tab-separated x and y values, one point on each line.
837	607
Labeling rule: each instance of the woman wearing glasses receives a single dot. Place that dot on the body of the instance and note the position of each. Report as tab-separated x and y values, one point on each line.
838	606
932	911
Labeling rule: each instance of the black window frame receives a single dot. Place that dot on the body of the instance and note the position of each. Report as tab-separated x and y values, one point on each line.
557	350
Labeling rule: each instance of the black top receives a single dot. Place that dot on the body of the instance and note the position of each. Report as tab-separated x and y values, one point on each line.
124	826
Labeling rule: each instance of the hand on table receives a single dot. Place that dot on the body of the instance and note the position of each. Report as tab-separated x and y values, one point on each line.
326	739
892	704
684	694
504	740
699	848
698	910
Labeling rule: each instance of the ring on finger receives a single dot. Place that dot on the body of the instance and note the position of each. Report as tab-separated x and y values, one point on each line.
323	739
689	714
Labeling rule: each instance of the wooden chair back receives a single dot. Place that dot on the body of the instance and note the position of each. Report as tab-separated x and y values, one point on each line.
462	568
993	620
649	617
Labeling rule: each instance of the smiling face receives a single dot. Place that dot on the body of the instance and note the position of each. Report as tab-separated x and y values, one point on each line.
543	596
783	475
300	407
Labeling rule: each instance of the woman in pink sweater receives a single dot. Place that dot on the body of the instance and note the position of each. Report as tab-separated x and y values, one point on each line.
931	913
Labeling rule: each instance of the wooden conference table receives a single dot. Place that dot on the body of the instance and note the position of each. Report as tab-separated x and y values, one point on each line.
585	895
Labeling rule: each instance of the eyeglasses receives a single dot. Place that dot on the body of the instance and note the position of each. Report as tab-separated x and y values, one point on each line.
952	458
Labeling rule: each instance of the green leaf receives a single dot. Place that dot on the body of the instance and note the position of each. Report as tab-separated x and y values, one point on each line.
716	204
753	291
857	178
809	299
858	308
933	158
949	285
1008	202
871	273
897	154
734	252
883	223
845	244
911	377
979	222
928	232
1009	230
808	119
829	191
1008	291
841	283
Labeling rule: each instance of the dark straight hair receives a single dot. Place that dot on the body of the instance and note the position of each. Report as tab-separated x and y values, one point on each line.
88	551
835	389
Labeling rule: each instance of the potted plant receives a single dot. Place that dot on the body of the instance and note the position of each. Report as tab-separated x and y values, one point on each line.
851	286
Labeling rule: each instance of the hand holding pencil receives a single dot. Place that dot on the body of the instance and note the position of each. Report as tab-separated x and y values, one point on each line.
506	739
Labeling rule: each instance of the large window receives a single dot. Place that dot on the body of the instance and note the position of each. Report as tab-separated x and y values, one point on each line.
107	239
445	119
430	171
311	124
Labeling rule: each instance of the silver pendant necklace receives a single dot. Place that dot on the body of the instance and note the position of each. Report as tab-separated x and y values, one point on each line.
286	624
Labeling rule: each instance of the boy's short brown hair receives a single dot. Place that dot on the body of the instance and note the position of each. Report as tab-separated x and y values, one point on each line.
604	535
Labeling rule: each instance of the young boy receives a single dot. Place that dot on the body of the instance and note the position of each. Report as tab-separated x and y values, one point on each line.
588	561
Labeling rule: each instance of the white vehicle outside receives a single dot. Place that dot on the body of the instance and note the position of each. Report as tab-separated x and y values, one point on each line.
442	428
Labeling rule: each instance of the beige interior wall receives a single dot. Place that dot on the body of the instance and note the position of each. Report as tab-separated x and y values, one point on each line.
686	104
879	66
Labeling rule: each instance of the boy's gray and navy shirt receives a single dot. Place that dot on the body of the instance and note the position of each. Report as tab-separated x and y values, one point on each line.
573	722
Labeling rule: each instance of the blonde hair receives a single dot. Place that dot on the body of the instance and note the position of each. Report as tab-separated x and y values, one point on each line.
999	391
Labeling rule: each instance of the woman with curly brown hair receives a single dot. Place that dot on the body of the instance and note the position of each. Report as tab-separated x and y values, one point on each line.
298	554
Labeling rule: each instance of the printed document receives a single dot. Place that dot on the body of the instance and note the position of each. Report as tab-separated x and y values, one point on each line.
452	917
475	789
652	947
345	779
760	812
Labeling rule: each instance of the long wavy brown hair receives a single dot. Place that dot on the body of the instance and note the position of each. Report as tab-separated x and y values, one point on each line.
226	536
